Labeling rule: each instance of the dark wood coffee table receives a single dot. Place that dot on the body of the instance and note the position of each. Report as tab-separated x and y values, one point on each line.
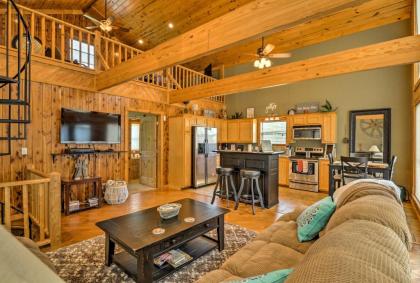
133	233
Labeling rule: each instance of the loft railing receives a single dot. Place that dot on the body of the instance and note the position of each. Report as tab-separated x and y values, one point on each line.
38	211
72	45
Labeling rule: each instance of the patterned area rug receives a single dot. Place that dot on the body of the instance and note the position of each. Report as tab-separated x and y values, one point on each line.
84	261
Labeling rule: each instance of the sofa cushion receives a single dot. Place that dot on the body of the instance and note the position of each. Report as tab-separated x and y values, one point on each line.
217	276
293	215
284	233
259	257
314	218
355	251
33	247
365	187
276	276
385	211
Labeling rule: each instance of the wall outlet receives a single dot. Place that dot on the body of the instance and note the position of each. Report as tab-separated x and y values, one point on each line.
24	151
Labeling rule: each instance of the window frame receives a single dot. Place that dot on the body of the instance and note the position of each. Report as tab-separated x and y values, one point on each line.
272	120
90	63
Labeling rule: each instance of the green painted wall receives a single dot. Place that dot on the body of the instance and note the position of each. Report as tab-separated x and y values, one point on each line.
382	88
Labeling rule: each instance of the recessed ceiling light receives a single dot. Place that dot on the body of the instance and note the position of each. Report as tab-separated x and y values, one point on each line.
141	41
171	25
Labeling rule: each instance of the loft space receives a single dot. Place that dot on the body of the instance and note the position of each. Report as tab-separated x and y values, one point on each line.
188	141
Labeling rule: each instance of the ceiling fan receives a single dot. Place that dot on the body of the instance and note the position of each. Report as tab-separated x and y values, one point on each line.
106	25
264	53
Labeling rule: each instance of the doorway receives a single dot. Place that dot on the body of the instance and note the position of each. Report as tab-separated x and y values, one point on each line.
142	170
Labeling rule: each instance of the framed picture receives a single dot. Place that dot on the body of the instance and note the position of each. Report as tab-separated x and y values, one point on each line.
250	112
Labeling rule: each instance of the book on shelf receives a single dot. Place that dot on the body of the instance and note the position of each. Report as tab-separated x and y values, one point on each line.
178	258
174	257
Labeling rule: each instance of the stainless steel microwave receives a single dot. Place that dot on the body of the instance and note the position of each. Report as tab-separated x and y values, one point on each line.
307	133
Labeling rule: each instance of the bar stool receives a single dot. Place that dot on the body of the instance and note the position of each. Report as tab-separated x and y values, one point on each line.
224	177
250	176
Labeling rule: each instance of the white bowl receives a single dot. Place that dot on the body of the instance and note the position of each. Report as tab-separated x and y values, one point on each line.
169	210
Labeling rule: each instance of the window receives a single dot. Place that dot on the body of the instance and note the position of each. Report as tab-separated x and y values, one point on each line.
83	53
274	131
135	137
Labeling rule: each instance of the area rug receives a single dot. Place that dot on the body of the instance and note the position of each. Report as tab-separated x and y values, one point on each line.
84	261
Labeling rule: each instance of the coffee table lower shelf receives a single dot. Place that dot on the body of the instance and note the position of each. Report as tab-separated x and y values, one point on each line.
195	248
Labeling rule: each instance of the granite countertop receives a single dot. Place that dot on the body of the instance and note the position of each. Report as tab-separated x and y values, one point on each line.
248	152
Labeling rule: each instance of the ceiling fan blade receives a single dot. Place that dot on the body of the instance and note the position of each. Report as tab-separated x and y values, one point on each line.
268	48
91	27
280	55
95	21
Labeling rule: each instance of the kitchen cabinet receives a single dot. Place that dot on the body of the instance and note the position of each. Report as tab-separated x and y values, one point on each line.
327	121
313	119
242	131
289	130
232	131
323	175
284	170
329	128
222	134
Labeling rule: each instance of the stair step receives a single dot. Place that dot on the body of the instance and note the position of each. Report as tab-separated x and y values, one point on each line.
7	80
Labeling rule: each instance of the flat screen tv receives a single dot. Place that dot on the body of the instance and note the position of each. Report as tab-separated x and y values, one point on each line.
81	127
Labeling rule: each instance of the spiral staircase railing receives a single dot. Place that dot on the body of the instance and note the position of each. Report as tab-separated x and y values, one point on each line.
15	83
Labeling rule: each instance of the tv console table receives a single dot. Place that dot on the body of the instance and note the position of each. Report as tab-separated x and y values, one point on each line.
66	186
77	154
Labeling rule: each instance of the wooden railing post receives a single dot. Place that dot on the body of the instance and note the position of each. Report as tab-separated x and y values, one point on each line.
98	51
54	209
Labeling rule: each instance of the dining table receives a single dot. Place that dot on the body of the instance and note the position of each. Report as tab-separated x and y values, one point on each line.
373	168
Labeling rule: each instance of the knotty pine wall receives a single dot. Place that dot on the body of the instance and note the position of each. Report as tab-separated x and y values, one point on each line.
43	132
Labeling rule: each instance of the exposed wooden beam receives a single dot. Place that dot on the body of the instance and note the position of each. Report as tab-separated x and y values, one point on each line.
395	52
260	17
348	21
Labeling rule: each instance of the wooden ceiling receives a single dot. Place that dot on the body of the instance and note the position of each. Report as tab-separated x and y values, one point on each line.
148	20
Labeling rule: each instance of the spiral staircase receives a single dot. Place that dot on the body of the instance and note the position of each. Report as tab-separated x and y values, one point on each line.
15	80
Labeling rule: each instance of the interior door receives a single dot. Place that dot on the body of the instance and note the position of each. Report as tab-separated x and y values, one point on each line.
148	151
134	145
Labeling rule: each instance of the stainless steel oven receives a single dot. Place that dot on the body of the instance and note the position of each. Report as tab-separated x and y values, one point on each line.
303	174
307	133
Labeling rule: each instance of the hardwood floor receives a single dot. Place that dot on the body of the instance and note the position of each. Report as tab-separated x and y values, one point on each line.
81	226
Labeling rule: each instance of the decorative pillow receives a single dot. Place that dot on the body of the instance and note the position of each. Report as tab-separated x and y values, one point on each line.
314	218
277	276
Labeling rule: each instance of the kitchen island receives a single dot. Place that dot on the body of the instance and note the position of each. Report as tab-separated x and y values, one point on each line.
265	162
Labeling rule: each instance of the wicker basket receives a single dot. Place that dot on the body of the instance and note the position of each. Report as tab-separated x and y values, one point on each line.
116	192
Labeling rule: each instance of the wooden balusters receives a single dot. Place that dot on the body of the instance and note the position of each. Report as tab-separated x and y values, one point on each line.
71	44
53	37
25	204
7	209
62	43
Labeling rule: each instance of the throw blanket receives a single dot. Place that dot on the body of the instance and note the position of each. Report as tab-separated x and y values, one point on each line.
364	187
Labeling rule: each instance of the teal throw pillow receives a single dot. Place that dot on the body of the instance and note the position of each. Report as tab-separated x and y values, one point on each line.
314	218
277	276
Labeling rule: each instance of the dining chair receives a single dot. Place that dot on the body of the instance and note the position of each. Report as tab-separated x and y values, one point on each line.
353	168
337	173
360	154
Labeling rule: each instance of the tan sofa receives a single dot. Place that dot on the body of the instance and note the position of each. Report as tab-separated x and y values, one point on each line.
366	240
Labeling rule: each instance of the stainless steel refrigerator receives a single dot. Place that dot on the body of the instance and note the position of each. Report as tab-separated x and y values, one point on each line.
204	159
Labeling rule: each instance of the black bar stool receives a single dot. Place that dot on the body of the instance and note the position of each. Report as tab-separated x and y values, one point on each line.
250	176
224	177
